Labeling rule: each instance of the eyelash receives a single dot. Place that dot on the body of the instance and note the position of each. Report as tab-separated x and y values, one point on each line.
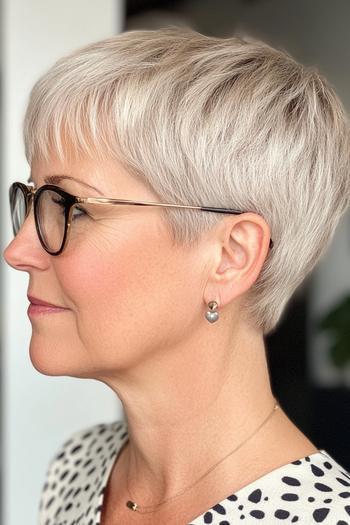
83	212
79	208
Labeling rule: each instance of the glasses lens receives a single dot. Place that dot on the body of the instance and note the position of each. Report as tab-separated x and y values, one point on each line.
18	208
51	219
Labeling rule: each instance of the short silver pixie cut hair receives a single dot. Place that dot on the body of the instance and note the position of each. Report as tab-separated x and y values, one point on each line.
227	122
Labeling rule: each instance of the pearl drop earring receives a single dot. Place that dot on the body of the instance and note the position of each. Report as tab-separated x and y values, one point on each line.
212	315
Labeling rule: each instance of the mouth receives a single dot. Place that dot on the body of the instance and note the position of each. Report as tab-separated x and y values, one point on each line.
39	306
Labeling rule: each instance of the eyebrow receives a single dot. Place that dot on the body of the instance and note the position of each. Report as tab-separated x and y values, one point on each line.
56	179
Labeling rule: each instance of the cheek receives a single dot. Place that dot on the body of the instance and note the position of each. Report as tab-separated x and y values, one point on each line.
100	280
126	299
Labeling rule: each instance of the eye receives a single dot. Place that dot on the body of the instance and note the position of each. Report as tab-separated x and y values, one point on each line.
80	210
60	201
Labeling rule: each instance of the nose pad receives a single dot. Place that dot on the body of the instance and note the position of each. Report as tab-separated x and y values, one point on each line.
30	204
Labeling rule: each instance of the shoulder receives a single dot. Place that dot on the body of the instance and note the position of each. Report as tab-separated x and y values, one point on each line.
77	467
313	489
324	488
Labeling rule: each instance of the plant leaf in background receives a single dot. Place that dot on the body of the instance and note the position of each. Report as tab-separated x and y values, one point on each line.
337	323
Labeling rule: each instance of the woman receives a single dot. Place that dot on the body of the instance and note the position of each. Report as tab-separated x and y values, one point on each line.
169	306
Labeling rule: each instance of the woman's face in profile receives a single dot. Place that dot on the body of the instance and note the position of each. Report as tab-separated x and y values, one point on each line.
129	292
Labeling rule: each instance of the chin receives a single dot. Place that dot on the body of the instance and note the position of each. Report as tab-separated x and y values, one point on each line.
50	360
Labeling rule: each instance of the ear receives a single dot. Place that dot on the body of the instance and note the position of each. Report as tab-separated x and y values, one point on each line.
241	246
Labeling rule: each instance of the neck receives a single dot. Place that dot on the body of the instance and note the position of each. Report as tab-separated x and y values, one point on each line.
189	407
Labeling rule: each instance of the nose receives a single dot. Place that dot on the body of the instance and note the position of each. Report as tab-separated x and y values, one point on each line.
25	252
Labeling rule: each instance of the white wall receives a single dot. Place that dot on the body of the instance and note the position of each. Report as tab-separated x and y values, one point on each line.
38	412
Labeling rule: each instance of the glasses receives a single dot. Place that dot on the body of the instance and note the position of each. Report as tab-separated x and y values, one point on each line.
53	211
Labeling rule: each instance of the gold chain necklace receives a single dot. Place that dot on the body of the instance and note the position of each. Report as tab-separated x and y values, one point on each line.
144	509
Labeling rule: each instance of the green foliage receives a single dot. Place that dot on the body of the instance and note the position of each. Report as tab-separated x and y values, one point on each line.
337	323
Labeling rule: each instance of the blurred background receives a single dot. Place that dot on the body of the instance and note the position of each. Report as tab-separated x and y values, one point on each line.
309	353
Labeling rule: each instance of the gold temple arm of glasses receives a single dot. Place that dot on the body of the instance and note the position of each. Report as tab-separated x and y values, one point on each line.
102	200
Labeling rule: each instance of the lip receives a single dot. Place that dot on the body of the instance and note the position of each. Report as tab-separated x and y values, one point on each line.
36	301
39	306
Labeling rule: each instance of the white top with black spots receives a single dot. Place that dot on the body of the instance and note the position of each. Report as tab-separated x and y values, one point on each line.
313	489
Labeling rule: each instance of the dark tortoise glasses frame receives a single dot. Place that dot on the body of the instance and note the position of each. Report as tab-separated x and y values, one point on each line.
31	194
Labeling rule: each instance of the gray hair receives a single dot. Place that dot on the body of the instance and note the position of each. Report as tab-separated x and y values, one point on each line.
227	122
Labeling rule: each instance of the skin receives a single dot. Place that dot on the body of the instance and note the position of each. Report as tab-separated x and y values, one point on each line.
135	320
